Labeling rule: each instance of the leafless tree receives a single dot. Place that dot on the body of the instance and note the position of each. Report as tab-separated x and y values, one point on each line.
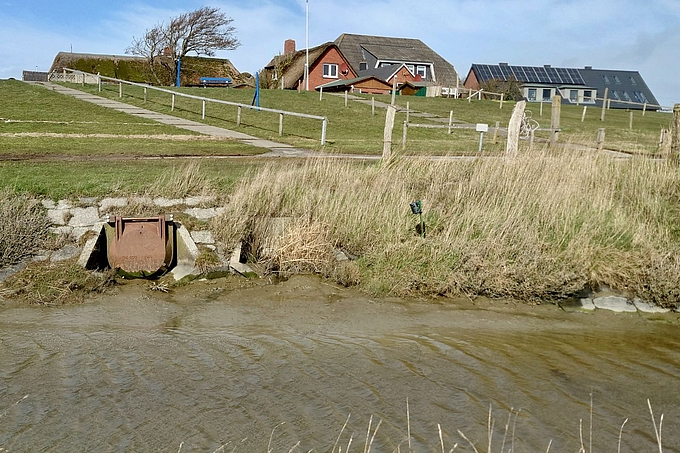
202	31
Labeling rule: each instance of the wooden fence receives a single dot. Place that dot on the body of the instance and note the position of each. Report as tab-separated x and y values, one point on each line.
75	76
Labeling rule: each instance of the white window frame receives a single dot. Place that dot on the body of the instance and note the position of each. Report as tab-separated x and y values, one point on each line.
421	70
531	94
330	71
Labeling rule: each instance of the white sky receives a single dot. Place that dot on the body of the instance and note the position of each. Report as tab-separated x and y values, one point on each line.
604	34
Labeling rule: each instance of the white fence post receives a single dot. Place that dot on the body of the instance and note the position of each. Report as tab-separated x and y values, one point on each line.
172	107
280	124
238	116
203	110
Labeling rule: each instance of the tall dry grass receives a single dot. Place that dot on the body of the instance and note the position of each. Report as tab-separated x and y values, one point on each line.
23	227
546	224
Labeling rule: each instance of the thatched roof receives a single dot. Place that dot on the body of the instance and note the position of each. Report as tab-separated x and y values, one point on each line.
292	66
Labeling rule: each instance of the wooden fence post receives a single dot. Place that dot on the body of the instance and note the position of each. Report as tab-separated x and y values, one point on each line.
600	139
408	111
145	95
238	115
555	118
604	103
394	90
320	93
450	121
583	115
172	105
675	135
373	106
203	109
280	124
120	89
665	143
630	121
495	132
346	95
387	134
512	145
502	97
403	136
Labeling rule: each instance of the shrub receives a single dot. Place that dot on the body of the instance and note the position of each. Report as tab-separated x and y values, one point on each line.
23	227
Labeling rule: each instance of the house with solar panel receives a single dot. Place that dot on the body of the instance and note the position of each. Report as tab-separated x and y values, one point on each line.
587	86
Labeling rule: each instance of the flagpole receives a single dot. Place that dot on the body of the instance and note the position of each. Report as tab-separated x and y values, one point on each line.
307	45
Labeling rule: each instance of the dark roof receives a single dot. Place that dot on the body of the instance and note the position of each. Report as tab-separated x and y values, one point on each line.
628	86
406	50
528	74
383	73
623	85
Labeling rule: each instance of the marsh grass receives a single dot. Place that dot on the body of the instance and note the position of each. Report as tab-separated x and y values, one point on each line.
23	227
65	282
545	225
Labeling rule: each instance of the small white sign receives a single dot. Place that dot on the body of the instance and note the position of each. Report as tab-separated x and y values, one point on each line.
481	127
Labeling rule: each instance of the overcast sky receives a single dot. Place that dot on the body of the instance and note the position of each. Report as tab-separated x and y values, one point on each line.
606	34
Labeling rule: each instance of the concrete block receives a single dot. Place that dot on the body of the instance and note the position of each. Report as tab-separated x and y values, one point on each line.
58	216
204	213
195	201
646	307
84	216
67	252
203	237
167	202
108	203
616	304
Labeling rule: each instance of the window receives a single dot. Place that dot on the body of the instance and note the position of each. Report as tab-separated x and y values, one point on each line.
587	95
573	95
606	79
330	71
421	70
547	94
615	95
411	68
632	80
531	94
626	97
617	80
640	97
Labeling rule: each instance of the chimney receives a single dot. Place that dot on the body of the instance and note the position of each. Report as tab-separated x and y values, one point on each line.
288	46
502	64
546	66
588	67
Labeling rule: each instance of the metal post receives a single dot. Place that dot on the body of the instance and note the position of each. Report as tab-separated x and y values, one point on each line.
179	66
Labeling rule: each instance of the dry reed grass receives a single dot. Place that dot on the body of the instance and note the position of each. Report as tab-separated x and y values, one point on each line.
23	227
544	225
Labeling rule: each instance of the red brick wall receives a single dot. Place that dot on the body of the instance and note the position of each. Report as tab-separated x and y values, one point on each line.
471	81
331	56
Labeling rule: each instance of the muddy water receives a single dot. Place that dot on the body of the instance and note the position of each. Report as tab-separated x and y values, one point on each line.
212	365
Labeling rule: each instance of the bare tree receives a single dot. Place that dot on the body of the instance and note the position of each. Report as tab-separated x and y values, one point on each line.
203	31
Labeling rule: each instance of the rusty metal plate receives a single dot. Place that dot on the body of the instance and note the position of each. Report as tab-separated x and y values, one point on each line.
139	245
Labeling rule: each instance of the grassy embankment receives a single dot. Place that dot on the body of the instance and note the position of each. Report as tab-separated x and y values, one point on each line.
353	129
545	225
